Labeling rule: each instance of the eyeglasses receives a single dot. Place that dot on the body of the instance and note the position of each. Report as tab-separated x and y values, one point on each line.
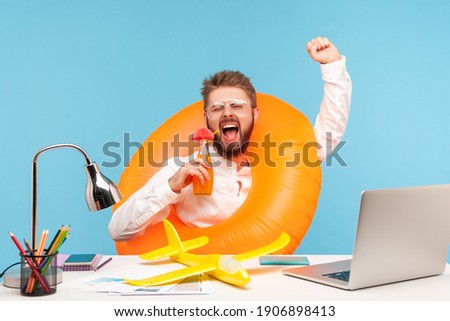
238	107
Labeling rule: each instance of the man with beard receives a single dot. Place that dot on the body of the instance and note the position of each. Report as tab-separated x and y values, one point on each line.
231	111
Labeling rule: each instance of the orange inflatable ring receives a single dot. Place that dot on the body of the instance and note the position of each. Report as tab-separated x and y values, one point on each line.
285	185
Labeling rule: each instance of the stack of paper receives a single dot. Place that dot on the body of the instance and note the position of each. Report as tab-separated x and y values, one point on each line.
111	282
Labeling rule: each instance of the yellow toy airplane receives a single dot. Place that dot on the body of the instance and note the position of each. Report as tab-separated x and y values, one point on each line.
226	268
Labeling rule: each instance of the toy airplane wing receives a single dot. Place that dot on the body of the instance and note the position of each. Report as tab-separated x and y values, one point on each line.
173	275
278	244
171	250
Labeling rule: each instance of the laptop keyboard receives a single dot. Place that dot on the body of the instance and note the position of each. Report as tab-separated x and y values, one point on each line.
343	275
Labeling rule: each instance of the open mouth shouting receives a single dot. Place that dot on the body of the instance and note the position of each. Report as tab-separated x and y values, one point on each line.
229	131
232	139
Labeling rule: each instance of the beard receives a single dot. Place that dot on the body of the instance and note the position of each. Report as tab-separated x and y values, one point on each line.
233	149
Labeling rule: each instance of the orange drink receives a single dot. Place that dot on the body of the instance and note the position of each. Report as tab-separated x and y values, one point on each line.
207	186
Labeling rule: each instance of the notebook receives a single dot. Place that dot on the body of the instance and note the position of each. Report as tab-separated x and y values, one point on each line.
402	234
78	262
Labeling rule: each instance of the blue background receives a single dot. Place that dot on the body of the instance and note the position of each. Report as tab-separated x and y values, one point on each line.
87	72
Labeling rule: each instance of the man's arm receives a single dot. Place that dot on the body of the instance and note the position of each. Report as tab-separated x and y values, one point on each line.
148	205
331	121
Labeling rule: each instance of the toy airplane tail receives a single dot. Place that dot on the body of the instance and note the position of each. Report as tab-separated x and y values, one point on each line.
173	238
175	246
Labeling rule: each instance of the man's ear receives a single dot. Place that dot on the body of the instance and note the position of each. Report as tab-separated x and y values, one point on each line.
255	114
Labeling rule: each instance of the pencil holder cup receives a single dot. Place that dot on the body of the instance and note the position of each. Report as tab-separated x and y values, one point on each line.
38	274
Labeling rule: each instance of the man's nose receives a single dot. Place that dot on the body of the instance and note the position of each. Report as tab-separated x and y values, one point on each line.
227	111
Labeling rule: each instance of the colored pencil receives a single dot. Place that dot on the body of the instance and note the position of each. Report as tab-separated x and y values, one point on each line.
61	236
30	250
37	258
55	238
31	280
30	263
103	264
42	242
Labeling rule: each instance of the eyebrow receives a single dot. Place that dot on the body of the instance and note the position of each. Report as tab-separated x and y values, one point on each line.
230	101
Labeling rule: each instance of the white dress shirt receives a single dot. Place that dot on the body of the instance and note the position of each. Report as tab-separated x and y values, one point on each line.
150	204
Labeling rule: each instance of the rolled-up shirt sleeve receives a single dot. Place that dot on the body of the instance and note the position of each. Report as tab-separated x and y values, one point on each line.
331	121
147	206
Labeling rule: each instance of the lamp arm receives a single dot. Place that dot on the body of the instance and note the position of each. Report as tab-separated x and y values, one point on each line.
81	150
34	201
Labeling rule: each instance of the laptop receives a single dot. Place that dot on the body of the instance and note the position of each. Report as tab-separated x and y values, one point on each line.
402	234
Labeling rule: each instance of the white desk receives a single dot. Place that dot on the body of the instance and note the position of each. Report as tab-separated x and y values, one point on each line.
267	284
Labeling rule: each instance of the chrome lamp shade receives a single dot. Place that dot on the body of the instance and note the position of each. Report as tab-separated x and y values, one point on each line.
101	192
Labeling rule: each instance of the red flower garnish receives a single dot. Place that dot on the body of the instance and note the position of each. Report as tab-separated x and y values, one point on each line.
202	134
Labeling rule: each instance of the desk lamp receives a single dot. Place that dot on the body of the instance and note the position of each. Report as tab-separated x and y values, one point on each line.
101	193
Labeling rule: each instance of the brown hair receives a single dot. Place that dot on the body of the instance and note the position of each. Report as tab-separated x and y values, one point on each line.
228	78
